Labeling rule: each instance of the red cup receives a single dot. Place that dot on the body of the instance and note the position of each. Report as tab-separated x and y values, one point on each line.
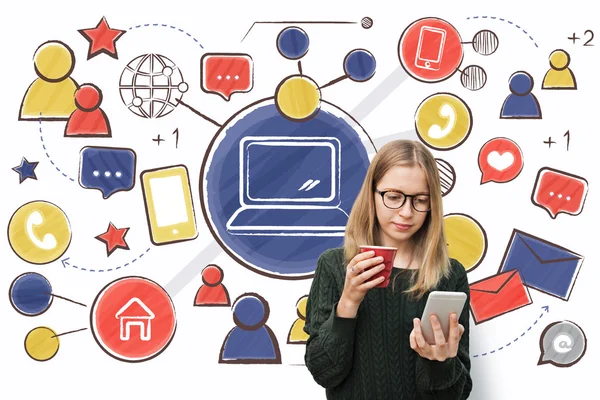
388	254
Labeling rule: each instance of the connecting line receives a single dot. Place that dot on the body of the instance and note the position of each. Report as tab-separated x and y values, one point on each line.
64	298
199	113
333	82
66	333
296	22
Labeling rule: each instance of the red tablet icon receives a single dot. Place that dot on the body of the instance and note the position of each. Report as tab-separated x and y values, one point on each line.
133	319
430	50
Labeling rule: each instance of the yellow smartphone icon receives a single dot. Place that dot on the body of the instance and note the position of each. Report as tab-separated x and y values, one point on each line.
169	205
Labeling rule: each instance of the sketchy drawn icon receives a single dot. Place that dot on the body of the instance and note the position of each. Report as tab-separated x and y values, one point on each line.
39	232
521	103
543	266
559	192
30	294
305	201
102	39
562	344
89	120
485	42
466	239
500	160
251	341
559	76
212	293
297	335
473	77
26	170
443	121
360	65
430	50
292	43
447	175
114	238
298	98
169	205
133	319
135	313
51	96
107	169
41	343
226	73
151	86
497	295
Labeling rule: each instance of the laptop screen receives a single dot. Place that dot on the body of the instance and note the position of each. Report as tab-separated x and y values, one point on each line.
291	171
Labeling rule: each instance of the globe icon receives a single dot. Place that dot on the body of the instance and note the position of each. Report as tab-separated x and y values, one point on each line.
151	85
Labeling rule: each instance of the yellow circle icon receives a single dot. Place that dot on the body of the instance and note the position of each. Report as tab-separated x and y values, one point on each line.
443	121
53	61
302	306
298	97
559	59
39	232
466	240
41	343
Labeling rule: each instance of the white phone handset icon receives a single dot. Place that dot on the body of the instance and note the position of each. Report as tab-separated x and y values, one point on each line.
437	132
49	241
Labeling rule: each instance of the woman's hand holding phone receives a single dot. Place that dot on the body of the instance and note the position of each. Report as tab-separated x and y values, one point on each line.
443	348
358	272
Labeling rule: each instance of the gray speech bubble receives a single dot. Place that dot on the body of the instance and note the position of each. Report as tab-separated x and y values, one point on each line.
562	344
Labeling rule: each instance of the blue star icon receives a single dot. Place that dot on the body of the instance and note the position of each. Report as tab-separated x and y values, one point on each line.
26	170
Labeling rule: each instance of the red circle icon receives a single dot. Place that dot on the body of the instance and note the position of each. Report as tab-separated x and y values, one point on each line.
430	50
133	319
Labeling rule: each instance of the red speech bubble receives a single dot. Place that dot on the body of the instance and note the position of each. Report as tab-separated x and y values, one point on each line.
500	160
225	74
558	191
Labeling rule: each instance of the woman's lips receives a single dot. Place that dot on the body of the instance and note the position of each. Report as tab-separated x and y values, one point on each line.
402	227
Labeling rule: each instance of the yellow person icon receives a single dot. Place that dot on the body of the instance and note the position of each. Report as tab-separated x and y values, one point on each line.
466	239
39	232
443	121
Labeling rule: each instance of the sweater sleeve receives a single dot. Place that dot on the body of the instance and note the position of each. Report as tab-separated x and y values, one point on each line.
450	379
330	345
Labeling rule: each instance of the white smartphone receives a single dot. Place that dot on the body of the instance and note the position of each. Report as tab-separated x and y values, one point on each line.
442	304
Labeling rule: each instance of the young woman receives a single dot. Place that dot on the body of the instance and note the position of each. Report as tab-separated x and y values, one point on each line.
366	342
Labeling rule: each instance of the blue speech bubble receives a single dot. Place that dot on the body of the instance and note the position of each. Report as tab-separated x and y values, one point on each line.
107	169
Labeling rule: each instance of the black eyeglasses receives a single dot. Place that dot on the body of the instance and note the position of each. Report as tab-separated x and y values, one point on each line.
395	200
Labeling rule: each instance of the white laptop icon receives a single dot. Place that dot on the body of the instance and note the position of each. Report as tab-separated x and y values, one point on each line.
289	186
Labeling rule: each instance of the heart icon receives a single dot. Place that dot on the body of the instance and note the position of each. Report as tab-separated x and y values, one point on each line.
500	161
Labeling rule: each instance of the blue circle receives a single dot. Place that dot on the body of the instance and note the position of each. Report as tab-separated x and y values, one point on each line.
520	83
30	294
292	43
249	310
359	65
227	191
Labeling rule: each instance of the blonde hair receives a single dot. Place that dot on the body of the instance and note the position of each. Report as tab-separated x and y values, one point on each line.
430	242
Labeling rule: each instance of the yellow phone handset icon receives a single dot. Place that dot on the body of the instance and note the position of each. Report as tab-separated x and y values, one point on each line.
49	241
443	121
447	111
39	232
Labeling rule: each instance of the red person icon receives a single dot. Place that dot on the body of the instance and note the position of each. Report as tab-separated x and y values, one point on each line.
88	120
212	293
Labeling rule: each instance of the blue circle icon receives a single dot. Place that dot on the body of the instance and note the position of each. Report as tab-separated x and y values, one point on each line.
292	43
250	311
276	193
359	65
31	294
520	83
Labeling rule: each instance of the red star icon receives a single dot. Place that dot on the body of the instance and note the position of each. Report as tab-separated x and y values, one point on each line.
102	39
114	238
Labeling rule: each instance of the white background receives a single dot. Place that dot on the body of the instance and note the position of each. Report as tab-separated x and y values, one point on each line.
189	368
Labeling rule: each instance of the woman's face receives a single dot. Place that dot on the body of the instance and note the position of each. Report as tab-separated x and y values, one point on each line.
398	225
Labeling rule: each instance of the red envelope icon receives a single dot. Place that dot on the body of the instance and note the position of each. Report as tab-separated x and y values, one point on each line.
497	295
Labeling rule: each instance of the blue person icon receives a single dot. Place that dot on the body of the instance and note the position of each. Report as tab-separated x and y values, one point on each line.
521	103
250	341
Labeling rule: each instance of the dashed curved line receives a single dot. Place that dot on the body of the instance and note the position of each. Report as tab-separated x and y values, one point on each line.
509	343
108	269
508	22
48	155
168	26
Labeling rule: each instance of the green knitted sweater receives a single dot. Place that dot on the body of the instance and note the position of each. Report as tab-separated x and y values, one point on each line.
369	356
